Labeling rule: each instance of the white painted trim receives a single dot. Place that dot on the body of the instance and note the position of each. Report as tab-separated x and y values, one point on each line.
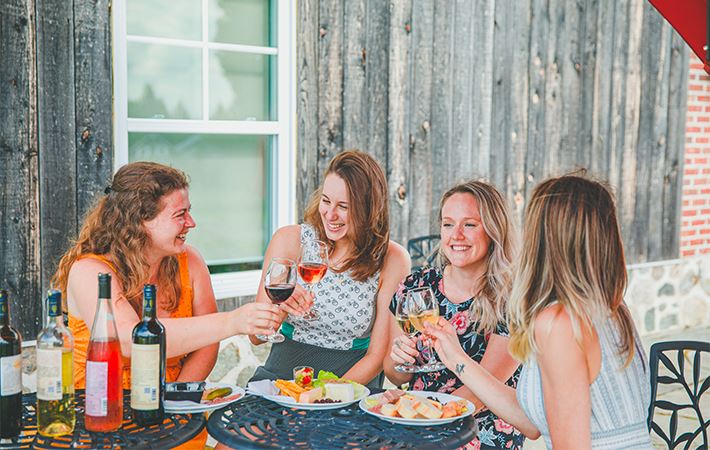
205	63
204	43
120	85
202	126
646	265
235	284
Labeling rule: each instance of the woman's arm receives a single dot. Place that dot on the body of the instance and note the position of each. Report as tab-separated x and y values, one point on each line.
565	379
200	363
183	335
495	394
285	243
396	267
497	361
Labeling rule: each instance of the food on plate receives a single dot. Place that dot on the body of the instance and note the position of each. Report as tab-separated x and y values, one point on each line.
219	400
215	393
340	392
397	403
326	388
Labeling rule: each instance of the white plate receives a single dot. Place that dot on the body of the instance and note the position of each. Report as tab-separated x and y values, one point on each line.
188	407
440	397
289	402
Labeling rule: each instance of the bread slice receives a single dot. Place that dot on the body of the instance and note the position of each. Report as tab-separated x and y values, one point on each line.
405	408
427	409
388	409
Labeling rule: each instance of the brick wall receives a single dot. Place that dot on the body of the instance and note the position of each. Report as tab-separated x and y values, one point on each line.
695	226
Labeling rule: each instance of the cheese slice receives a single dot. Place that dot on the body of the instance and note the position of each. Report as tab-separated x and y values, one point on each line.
310	396
340	391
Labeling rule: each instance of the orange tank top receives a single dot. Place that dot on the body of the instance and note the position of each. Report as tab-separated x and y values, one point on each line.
82	333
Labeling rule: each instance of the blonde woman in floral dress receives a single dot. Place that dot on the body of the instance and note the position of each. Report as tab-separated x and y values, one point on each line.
471	286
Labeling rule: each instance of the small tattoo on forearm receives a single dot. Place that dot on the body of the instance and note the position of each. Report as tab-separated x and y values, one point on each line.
459	368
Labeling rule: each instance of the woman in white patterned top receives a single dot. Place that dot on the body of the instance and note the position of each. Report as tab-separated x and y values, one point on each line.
350	335
584	382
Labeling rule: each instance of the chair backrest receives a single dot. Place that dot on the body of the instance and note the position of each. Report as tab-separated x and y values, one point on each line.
683	369
423	250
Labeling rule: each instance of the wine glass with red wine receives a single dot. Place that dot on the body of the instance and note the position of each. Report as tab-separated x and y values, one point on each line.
312	266
279	283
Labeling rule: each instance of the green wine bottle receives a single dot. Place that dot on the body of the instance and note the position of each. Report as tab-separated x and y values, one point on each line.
10	374
148	364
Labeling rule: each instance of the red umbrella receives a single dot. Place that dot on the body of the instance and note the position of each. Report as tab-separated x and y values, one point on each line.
690	20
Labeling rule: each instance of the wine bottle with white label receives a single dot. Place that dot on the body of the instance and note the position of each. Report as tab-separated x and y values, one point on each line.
104	368
10	374
148	364
55	372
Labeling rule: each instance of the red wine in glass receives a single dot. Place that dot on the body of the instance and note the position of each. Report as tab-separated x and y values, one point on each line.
279	283
312	273
279	293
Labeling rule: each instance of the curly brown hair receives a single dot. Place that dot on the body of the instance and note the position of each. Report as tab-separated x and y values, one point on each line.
114	228
369	211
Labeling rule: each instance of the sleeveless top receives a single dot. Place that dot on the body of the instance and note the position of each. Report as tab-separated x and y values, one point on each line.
619	396
492	430
82	333
346	309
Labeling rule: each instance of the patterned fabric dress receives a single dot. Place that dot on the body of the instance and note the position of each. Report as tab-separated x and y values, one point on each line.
338	338
493	432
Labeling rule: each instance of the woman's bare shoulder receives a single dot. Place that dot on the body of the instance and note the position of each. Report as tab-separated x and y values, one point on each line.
89	267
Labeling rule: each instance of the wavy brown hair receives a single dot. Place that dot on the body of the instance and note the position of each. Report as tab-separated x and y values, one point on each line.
572	254
490	305
114	228
369	212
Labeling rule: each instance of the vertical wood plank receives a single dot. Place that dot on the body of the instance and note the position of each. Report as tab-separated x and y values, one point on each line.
19	177
398	131
330	82
57	154
307	107
377	78
422	171
93	100
355	97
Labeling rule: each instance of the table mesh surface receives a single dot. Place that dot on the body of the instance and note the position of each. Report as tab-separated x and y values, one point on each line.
255	422
175	430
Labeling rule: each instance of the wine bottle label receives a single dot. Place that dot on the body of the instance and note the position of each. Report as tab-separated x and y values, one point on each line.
145	376
96	388
49	374
10	375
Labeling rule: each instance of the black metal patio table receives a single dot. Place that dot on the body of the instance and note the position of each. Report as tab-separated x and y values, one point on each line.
256	423
175	430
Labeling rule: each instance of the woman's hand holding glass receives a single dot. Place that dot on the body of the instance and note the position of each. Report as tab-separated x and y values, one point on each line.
446	343
423	309
298	304
404	347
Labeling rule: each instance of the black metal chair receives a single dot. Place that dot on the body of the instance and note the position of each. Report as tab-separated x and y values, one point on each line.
690	380
423	250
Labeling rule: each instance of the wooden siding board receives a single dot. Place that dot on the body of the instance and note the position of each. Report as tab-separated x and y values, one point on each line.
422	171
602	117
93	100
398	131
587	46
57	155
377	79
482	45
307	106
355	96
461	89
330	82
19	184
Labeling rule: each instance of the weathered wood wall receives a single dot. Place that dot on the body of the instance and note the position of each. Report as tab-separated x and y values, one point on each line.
513	91
55	137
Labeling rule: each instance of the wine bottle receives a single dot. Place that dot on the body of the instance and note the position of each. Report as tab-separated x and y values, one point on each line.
55	373
148	364
10	374
104	390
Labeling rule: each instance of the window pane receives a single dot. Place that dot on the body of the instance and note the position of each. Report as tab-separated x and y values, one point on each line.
179	19
239	22
239	86
228	178
164	82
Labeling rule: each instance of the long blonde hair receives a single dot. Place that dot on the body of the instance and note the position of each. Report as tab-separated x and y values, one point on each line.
369	211
114	228
490	305
572	254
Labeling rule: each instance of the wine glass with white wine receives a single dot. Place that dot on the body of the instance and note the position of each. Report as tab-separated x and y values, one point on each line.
423	308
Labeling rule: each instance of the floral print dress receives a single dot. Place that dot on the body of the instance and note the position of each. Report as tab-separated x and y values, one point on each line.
493	432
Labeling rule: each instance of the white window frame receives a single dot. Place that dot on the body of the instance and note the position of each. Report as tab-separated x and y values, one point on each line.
283	130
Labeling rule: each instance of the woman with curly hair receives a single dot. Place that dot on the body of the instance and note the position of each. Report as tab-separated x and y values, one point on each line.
350	334
471	284
137	232
584	382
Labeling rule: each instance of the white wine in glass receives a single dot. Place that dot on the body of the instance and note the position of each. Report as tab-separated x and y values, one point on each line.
423	308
